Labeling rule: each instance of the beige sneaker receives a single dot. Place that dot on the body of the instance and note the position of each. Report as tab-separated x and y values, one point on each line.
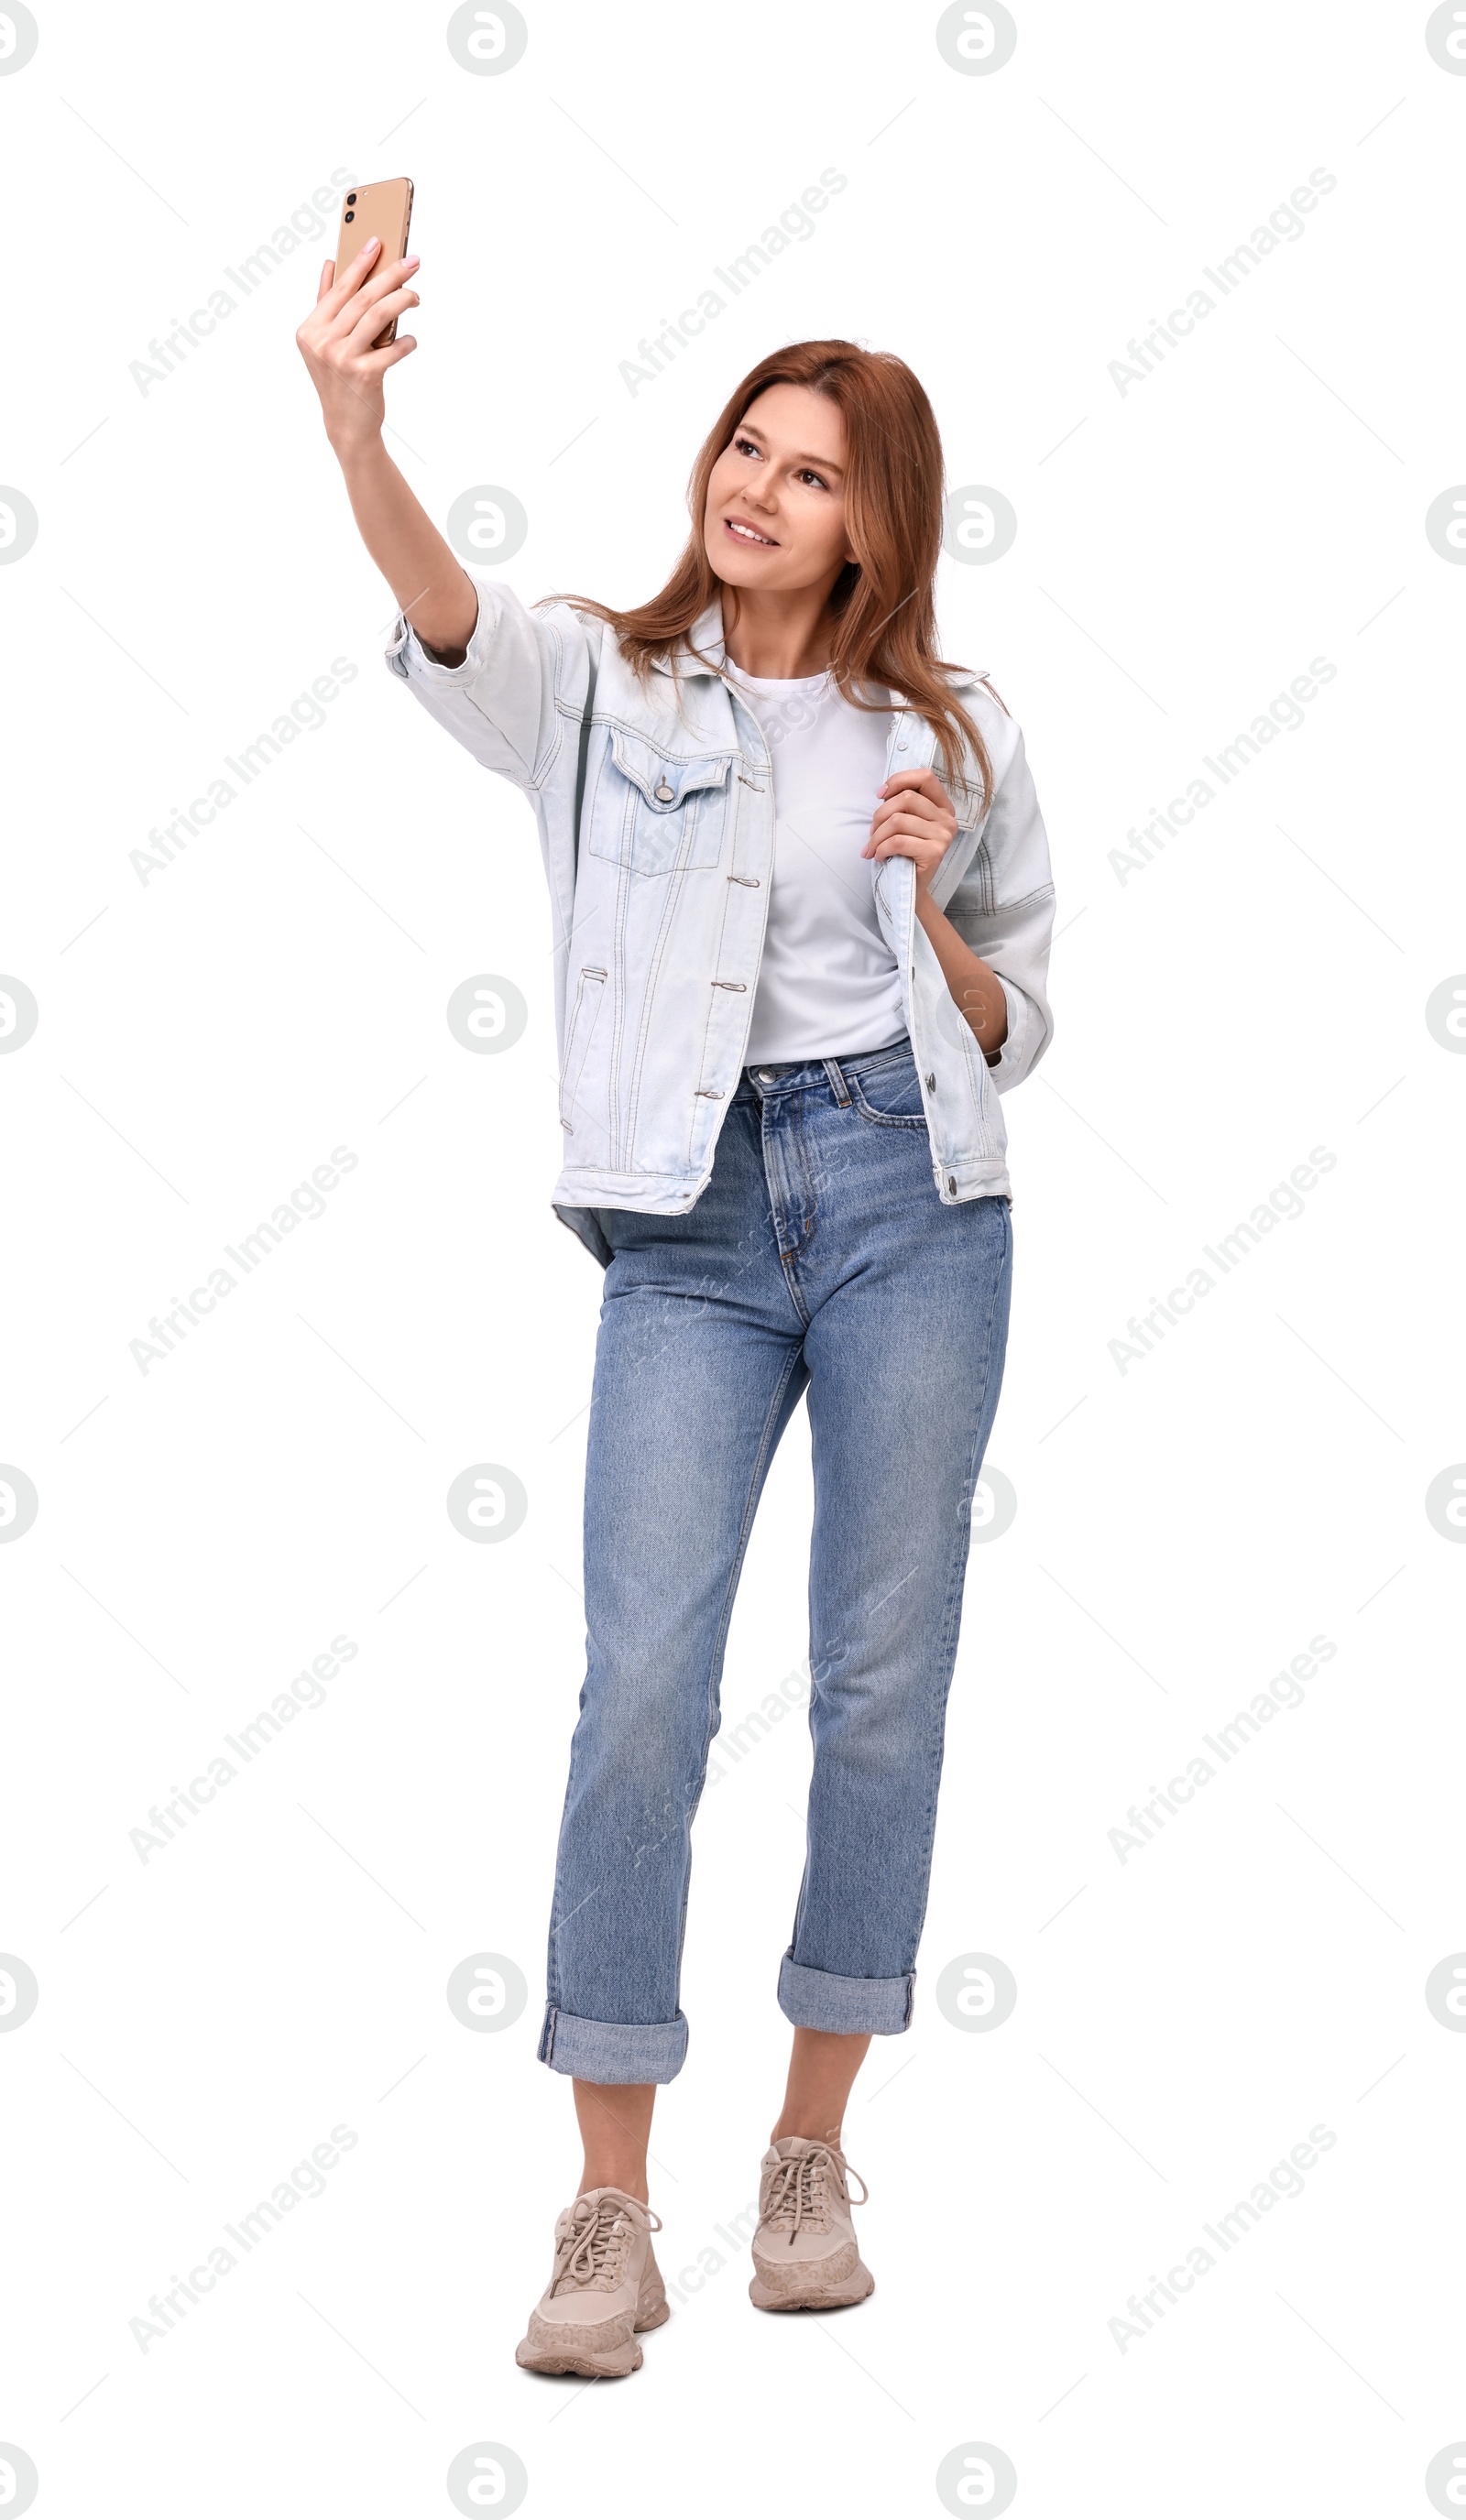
604	2286
806	2255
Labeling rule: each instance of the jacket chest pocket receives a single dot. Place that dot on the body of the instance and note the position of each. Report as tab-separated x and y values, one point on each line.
655	812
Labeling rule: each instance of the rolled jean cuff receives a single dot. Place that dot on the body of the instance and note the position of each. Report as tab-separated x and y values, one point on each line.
613	2051
816	2000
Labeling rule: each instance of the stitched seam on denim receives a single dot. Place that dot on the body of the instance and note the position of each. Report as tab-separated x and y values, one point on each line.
766	1145
638	1065
761	1460
717	763
704	1061
903	1050
795	1130
615	1139
862	1061
622	850
891	1119
579	826
570	1090
962	1538
1026	900
947	1653
552	1957
541	772
898	1977
528	780
975	1069
588	809
760	1464
700	1096
700	753
951	1617
631	1172
976	878
569	1041
535	775
691	810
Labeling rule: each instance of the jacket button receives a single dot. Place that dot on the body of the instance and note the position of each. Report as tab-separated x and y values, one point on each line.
931	1084
663	794
951	1182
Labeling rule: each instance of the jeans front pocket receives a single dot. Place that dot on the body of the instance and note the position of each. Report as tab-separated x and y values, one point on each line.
889	1090
657	812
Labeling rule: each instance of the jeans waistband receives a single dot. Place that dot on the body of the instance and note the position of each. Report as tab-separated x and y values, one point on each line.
773	1077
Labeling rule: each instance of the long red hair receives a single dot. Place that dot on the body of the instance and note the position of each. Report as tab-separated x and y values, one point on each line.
883	615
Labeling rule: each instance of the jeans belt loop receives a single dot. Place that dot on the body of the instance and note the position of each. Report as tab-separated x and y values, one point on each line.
836	1076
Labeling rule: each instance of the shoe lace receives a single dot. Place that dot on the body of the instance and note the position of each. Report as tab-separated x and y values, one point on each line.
799	2190
594	2235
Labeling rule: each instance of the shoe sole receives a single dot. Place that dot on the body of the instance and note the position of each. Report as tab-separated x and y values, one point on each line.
614	2363
854	2287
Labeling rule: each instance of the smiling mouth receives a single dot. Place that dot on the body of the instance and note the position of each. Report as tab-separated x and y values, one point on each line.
749	534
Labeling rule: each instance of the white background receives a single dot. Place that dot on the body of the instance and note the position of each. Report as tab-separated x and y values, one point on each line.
207	1037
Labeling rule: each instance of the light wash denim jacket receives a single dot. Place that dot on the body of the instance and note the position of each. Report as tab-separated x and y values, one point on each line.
656	813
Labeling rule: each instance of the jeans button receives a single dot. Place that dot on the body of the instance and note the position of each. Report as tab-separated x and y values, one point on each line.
768	1075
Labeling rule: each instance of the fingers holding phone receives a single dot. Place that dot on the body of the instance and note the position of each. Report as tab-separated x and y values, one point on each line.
382	210
350	341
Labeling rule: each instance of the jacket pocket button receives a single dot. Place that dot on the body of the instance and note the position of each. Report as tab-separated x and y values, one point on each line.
663	794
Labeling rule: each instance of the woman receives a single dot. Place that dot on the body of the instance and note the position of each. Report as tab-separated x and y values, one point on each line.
779	1093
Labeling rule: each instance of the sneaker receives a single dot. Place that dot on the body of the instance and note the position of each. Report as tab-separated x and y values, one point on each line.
806	2255
604	2287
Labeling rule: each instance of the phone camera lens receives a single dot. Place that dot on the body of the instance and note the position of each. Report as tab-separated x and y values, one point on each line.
350	197
351	215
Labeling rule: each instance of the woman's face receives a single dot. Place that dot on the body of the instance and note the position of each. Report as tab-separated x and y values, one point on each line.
775	516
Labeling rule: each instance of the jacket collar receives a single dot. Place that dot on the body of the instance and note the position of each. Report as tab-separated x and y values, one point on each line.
706	635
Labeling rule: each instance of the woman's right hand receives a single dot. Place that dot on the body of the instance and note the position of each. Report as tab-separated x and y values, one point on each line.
336	344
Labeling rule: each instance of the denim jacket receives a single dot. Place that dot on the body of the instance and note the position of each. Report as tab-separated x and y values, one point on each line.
656	813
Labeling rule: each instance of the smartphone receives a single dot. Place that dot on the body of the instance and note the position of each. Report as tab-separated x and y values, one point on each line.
382	210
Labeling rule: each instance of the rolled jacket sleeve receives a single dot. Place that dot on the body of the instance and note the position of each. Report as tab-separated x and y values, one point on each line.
1004	909
524	676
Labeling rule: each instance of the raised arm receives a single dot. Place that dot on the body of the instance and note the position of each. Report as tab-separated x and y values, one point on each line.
436	593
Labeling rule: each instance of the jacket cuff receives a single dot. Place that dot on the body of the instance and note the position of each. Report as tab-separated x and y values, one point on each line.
1010	1062
407	656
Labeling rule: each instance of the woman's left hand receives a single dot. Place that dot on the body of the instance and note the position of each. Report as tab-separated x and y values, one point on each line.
914	819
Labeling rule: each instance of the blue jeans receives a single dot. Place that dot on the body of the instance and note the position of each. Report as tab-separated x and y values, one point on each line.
820	1259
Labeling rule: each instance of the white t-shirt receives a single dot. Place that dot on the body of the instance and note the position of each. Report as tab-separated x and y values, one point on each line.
828	982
